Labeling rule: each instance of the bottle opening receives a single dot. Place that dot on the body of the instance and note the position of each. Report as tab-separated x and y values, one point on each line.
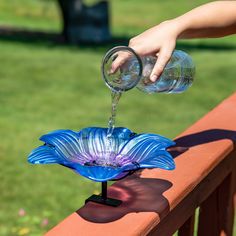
121	68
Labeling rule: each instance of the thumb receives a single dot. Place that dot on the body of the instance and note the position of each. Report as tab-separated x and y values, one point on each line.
162	59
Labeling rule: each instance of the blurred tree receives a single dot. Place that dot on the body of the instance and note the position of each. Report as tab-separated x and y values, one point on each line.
82	23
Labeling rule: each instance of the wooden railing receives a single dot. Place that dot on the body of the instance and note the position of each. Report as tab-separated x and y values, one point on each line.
159	202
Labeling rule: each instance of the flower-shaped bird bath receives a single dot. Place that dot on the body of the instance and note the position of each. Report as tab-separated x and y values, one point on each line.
93	155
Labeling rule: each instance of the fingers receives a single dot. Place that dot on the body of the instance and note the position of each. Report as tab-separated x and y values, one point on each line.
162	60
119	60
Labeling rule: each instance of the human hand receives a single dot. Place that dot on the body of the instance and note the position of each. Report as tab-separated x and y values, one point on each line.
157	41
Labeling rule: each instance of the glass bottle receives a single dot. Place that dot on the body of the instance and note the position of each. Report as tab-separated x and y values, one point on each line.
134	71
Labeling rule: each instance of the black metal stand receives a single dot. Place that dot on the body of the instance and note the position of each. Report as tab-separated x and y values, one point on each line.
103	199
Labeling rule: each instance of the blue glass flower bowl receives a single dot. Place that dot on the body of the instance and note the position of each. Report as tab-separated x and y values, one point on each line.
91	154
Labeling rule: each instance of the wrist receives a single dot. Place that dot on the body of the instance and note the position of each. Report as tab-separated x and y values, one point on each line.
176	26
179	26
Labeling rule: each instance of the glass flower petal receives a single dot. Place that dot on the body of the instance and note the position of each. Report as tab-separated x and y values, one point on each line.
91	154
148	148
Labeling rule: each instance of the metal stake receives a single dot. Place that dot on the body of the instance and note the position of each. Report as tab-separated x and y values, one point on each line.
103	199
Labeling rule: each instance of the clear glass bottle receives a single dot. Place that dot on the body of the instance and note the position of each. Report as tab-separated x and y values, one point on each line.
134	71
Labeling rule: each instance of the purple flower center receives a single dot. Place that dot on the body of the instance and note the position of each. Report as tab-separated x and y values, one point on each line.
105	159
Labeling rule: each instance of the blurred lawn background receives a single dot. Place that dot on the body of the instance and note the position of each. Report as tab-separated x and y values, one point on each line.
46	86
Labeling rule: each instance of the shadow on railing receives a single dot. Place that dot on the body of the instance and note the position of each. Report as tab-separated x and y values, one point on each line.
184	143
137	195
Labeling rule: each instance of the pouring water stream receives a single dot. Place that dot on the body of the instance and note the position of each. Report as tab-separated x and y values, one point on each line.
110	153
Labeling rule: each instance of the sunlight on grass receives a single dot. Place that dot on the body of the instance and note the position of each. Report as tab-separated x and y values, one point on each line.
45	86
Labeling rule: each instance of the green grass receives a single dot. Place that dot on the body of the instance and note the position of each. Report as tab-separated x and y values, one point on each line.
44	87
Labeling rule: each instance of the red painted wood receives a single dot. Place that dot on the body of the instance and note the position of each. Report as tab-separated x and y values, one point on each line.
187	229
150	195
217	212
175	219
208	219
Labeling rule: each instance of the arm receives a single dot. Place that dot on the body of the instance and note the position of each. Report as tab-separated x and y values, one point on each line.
211	20
215	19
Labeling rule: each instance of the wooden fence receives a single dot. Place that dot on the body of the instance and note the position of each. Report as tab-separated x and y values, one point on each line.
159	202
